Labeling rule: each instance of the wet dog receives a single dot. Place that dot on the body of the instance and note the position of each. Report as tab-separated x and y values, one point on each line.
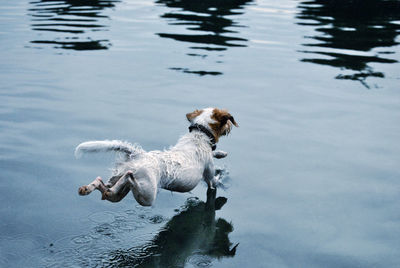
178	169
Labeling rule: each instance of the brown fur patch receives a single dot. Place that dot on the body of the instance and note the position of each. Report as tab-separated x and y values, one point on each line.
193	115
224	122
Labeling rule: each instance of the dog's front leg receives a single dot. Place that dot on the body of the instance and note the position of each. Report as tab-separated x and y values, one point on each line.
219	154
211	179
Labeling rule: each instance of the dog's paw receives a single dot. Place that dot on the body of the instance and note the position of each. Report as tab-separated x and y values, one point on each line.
220	154
84	190
106	195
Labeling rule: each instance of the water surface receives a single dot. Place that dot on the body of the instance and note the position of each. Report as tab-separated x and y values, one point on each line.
312	175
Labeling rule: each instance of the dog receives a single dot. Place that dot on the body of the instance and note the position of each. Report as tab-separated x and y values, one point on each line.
179	169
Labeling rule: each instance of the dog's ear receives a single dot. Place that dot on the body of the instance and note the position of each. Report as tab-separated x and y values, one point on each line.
228	117
222	117
193	115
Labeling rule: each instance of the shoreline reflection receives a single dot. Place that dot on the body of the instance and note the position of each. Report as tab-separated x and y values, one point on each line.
348	35
209	27
70	24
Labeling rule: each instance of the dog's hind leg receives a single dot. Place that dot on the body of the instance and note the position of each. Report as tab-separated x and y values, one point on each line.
119	189
144	192
116	196
96	184
111	182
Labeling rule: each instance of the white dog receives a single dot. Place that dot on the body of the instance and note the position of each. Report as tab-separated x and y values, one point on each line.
178	169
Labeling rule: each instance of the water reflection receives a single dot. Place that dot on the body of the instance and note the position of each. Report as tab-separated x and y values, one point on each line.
193	235
351	35
209	26
70	24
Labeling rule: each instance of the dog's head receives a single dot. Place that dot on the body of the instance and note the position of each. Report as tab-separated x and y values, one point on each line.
220	122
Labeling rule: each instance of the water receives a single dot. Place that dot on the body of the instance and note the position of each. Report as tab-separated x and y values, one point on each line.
313	169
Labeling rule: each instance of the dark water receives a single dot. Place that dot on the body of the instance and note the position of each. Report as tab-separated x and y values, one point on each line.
312	175
348	32
75	21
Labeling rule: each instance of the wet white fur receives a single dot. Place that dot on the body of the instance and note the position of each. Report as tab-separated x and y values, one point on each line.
179	169
107	145
204	118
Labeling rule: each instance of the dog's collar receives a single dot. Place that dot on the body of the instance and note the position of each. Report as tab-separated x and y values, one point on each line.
205	131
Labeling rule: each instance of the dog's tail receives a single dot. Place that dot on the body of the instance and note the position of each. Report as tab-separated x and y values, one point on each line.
106	146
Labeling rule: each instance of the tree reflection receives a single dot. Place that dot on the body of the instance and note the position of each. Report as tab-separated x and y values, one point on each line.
70	21
348	32
193	235
209	25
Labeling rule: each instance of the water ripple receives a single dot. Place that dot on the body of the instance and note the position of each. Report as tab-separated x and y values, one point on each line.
110	231
351	36
74	23
114	240
102	217
211	24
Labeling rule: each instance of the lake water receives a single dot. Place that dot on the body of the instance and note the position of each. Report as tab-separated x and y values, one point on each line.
312	176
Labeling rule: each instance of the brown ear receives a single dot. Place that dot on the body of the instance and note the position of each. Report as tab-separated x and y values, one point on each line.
193	115
229	117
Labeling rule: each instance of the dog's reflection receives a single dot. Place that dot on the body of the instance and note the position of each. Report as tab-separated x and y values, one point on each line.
194	231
